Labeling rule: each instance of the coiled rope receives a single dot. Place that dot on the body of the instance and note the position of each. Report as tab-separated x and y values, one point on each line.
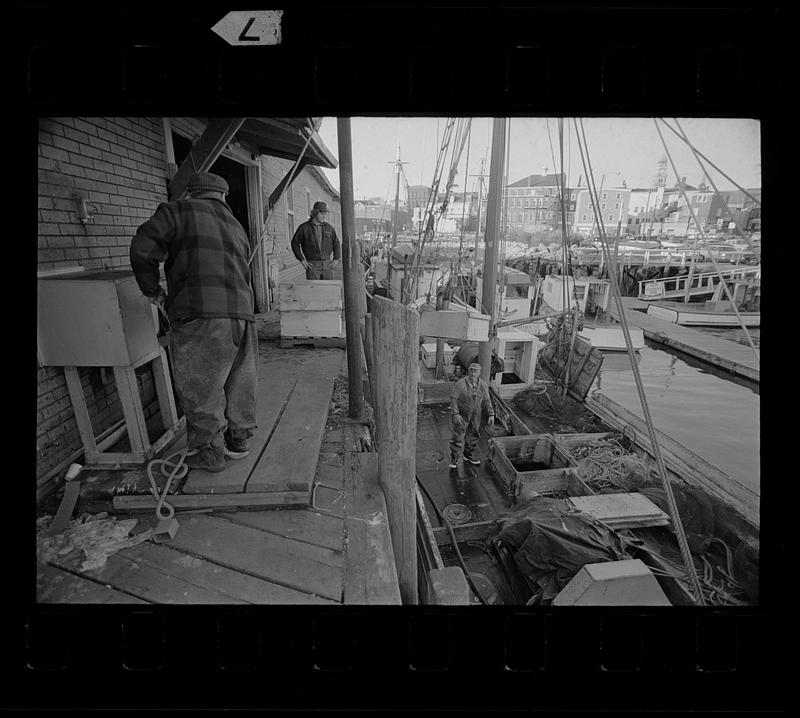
171	470
605	464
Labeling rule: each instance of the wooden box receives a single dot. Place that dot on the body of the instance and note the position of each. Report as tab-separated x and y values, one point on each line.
311	324
454	324
95	318
311	296
429	355
534	462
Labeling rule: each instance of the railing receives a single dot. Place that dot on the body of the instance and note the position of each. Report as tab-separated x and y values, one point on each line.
702	283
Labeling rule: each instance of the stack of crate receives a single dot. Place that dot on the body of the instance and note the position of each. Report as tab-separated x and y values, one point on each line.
311	310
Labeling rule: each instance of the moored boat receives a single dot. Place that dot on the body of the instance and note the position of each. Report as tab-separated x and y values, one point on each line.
717	312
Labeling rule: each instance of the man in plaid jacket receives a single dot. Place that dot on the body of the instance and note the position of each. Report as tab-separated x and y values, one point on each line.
209	302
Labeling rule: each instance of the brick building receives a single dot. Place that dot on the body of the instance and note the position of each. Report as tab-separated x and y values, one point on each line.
115	172
533	204
613	209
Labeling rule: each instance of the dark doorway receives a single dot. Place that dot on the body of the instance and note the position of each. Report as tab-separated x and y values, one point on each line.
233	173
236	177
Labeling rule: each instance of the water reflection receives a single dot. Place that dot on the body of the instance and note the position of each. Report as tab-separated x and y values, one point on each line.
704	409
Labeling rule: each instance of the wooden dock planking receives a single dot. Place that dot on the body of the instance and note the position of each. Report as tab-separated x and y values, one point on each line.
736	358
163	574
370	576
272	396
296	524
294	564
289	461
154	580
54	585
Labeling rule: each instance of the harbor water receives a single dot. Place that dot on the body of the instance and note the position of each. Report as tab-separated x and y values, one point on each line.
709	412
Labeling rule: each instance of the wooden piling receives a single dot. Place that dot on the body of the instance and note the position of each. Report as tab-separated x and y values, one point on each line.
369	351
351	271
395	339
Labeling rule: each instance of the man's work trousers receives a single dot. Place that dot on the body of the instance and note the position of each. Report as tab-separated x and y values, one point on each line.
464	432
320	270
214	368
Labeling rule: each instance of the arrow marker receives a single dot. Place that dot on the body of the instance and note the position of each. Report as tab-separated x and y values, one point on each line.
250	27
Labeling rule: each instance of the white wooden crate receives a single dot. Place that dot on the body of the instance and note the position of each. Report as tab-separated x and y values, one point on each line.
454	324
429	355
311	324
311	296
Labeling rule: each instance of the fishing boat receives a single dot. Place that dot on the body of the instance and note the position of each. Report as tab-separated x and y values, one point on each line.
591	295
716	312
575	504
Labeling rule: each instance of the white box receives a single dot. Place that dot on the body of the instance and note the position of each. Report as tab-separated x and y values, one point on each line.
454	324
94	318
312	295
311	324
429	355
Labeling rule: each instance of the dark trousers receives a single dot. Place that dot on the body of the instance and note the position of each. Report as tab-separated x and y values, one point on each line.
322	269
464	432
214	367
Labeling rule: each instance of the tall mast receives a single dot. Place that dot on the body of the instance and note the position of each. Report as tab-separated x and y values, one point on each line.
491	237
398	168
480	201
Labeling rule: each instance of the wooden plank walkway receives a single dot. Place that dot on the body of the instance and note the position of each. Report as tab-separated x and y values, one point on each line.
334	548
736	358
291	411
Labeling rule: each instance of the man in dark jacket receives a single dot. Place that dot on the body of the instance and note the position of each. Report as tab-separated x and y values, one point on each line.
213	343
470	397
314	242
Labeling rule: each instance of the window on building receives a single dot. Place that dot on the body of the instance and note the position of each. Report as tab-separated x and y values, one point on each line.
290	212
584	218
605	195
616	206
527	203
618	195
573	197
611	218
603	206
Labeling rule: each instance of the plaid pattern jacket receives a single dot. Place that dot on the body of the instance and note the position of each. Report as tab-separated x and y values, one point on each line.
205	251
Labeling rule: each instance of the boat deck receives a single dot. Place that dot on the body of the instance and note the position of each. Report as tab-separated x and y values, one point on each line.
325	541
736	358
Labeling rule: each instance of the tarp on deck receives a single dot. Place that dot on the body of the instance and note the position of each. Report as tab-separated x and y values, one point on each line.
551	542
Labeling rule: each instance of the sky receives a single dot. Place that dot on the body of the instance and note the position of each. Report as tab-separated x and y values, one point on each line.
621	148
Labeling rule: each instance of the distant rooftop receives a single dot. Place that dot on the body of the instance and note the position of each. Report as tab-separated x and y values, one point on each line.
548	180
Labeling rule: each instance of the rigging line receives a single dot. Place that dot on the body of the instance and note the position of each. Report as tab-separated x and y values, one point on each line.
565	284
464	199
458	147
713	259
429	220
676	519
504	213
701	234
434	190
313	128
686	140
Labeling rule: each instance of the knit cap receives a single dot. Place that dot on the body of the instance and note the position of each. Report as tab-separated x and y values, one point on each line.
207	182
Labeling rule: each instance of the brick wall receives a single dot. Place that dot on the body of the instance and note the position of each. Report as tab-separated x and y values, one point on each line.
273	170
118	166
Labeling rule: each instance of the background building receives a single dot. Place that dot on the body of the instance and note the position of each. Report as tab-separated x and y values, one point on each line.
533	205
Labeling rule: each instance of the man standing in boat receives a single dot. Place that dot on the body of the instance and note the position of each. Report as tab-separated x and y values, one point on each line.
469	398
314	242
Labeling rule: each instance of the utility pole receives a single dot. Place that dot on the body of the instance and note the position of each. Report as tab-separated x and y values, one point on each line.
480	201
351	272
491	238
398	168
